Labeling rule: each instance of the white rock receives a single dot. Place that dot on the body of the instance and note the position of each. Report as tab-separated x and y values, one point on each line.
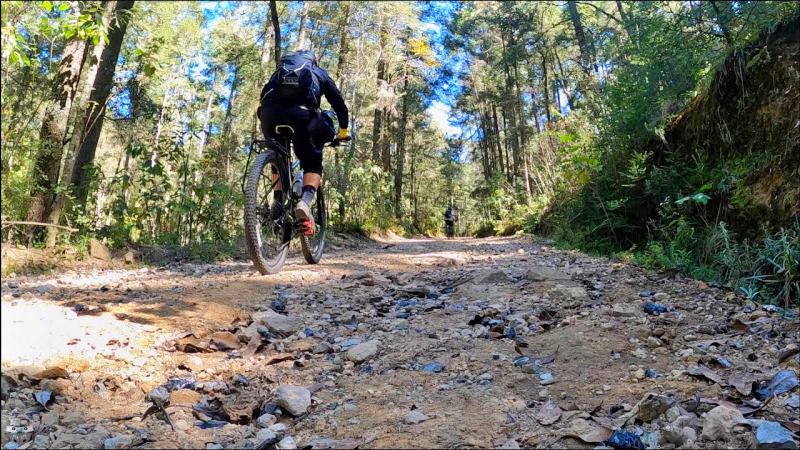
286	443
363	351
293	399
266	420
719	422
277	323
414	417
118	441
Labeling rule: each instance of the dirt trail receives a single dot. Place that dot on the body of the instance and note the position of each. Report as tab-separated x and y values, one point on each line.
408	343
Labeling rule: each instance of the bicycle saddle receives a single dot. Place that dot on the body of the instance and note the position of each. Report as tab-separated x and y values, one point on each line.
284	130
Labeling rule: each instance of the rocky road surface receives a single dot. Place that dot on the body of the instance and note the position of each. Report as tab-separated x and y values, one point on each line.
502	342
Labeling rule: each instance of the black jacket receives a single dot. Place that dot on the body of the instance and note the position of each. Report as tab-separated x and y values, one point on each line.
333	95
327	88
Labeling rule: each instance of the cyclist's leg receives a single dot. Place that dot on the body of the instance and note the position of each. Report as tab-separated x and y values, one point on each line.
309	153
308	145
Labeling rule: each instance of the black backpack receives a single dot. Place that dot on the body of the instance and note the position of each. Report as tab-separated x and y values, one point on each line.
295	81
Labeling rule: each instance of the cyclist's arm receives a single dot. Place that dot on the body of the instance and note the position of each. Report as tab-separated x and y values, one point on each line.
334	97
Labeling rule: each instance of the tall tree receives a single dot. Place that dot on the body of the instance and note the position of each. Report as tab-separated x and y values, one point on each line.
580	35
276	27
378	134
101	74
53	134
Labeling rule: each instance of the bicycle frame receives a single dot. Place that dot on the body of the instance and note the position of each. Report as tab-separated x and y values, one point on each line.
284	153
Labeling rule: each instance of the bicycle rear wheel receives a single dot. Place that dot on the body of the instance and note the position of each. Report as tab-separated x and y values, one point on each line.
314	245
267	237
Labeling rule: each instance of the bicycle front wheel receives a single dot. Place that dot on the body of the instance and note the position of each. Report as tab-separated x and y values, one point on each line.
267	237
314	245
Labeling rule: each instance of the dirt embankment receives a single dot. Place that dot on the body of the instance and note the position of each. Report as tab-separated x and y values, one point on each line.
745	132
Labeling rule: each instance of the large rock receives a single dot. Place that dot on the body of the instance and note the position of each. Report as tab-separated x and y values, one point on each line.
719	423
544	273
118	441
286	443
293	399
653	407
414	417
99	250
363	351
493	277
277	323
678	435
570	292
266	420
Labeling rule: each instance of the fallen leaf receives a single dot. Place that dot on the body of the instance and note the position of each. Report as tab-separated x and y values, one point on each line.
253	347
787	352
587	431
743	382
278	357
704	372
192	345
549	413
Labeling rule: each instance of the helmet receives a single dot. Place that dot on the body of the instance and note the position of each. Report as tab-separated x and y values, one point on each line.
309	54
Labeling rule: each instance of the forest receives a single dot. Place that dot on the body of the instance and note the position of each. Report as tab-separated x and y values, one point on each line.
661	132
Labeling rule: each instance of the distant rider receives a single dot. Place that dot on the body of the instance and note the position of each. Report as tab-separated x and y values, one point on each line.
449	218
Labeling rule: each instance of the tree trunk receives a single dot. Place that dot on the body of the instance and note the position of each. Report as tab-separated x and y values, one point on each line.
159	126
626	19
563	84
401	147
723	23
207	119
227	124
265	57
546	86
386	140
580	36
377	123
88	130
276	26
498	142
301	38
53	134
340	181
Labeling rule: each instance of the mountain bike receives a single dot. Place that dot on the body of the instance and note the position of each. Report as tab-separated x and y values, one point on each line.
268	237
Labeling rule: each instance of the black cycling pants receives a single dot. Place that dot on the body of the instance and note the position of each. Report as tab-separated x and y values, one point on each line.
310	131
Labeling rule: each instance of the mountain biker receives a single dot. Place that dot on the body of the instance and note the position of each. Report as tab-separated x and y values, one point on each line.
449	217
291	98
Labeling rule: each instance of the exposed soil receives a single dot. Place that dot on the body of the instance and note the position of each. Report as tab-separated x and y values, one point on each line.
473	306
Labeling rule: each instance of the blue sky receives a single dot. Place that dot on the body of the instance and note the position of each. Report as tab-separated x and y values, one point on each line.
435	17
